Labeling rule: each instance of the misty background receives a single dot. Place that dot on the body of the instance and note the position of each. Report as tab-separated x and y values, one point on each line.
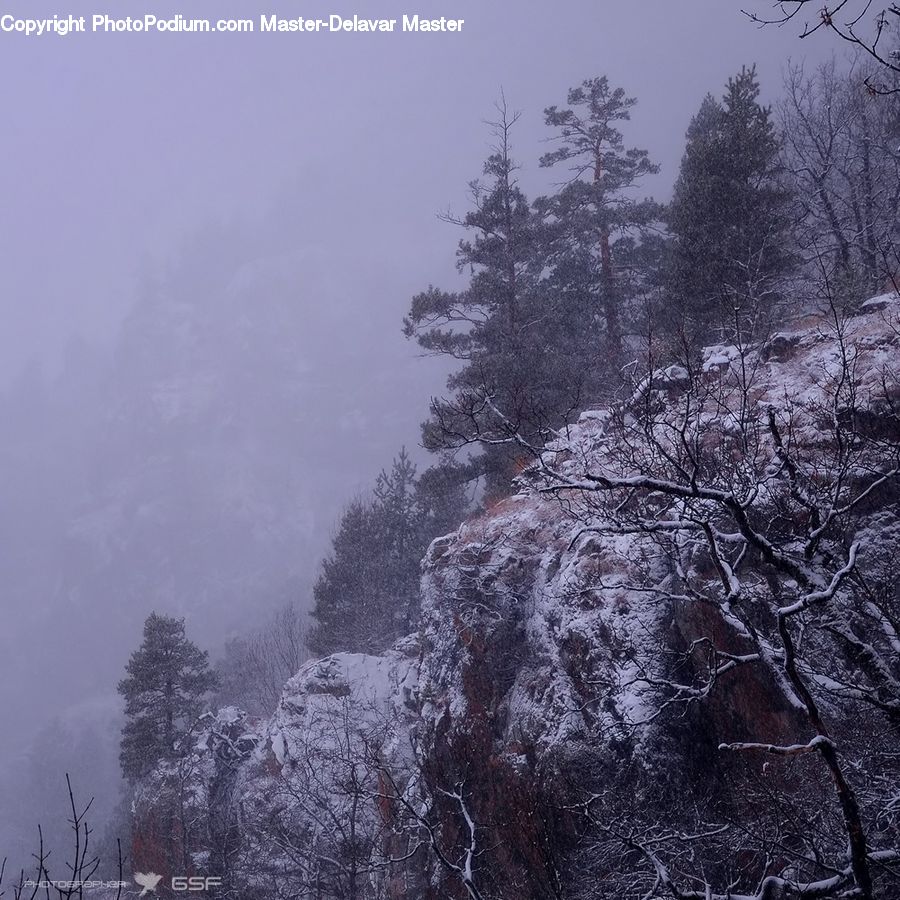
208	244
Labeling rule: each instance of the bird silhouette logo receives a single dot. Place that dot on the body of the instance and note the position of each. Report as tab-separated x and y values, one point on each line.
148	881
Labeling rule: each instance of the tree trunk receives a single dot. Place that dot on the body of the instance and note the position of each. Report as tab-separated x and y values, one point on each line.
608	280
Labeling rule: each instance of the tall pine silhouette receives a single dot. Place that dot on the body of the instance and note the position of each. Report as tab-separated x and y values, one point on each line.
595	222
367	593
167	679
728	217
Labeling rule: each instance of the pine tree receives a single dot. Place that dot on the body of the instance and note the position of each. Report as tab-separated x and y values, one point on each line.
167	679
344	596
594	219
729	215
367	593
504	327
398	519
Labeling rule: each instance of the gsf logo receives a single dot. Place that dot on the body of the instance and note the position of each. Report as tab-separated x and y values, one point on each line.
194	883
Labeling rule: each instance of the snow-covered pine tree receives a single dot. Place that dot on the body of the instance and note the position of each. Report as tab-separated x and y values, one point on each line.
168	677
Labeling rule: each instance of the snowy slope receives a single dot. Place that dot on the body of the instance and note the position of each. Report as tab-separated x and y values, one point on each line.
529	679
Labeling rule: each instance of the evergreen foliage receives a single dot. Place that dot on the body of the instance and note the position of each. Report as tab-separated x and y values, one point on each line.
538	327
597	227
729	217
499	326
167	679
367	593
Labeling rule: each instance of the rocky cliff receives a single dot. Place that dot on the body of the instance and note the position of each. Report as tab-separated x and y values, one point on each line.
587	649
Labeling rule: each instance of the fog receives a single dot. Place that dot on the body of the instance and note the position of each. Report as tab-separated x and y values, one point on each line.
209	243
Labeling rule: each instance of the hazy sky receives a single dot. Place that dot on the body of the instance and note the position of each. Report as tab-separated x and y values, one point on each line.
116	146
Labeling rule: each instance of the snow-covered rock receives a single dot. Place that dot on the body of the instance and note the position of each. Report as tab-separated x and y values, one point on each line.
528	680
251	797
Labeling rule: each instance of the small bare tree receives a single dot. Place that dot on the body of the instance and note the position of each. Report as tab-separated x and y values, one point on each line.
328	828
256	667
80	878
841	151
